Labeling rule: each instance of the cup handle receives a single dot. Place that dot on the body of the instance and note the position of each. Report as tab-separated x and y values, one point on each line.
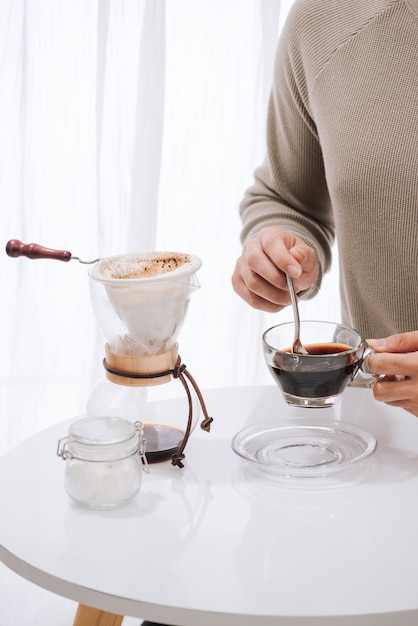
364	377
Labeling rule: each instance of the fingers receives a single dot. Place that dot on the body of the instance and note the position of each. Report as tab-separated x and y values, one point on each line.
399	387
397	393
259	275
288	254
266	260
257	292
394	364
402	342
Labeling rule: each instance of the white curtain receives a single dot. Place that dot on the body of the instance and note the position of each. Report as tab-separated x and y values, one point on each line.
127	125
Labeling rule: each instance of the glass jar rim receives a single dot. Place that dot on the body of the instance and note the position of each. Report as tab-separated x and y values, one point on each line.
102	431
92	439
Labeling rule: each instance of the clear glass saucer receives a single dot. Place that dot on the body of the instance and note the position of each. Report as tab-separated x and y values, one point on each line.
303	447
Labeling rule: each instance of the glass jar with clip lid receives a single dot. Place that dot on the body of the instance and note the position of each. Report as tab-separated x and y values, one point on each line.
104	458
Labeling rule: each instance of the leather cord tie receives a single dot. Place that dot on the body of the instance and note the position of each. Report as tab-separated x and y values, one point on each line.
179	372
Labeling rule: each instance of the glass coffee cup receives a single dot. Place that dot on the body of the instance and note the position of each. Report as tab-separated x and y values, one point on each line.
336	353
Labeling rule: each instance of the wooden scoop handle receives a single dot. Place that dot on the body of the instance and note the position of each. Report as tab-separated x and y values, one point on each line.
15	248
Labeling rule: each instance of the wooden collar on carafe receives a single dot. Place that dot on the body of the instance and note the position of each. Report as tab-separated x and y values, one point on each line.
124	369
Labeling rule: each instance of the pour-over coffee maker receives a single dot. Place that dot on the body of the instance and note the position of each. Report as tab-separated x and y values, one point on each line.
140	301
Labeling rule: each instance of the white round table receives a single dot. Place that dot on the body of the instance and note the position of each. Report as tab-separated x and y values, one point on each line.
214	544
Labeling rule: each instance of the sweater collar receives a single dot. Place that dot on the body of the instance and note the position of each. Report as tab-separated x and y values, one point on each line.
414	5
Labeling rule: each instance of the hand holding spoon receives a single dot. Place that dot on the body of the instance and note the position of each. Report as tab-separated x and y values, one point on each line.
297	347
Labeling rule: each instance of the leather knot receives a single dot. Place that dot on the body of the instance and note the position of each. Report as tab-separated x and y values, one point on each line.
177	460
178	368
205	425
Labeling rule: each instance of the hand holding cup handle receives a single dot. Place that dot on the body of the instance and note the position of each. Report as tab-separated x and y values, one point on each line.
365	377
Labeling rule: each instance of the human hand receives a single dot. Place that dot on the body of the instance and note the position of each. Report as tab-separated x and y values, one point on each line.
397	359
259	277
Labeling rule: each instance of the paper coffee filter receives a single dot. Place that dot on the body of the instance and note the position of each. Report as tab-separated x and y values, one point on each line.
146	266
149	293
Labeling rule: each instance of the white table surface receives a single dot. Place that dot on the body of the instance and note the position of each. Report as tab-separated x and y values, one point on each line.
215	544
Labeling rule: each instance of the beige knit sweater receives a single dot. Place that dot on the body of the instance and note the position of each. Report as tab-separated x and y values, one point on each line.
342	154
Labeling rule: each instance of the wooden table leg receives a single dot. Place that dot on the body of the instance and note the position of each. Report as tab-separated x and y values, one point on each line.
86	616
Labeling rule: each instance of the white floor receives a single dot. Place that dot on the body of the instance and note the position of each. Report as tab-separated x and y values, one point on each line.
25	604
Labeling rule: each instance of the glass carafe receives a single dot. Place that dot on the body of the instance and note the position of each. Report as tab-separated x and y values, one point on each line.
140	301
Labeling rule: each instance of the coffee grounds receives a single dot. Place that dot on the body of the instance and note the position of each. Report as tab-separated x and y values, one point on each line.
156	267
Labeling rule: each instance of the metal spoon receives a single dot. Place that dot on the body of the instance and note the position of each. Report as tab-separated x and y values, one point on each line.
297	347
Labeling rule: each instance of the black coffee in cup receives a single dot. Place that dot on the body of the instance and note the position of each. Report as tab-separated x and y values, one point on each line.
326	375
317	379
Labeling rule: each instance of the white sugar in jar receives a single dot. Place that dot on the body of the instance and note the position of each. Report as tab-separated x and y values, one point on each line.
104	458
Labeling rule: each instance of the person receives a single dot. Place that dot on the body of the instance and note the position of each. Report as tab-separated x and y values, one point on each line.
342	164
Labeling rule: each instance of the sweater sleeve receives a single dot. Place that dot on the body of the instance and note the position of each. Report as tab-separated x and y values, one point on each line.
290	190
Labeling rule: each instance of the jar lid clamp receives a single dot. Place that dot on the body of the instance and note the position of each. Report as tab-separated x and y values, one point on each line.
100	439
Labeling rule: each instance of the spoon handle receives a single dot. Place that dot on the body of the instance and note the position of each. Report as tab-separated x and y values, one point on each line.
291	287
297	346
